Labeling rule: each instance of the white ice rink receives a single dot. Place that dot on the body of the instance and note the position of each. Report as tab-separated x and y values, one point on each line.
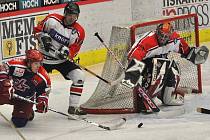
53	126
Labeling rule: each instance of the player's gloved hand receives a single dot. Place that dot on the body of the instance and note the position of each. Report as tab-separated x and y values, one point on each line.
42	106
46	40
6	89
63	52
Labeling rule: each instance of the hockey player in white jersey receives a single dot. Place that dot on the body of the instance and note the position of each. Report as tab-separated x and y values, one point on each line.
150	68
60	38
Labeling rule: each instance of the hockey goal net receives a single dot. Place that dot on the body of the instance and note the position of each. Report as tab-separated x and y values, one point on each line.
120	99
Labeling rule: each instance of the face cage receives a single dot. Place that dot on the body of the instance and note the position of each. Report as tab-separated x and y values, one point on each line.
162	38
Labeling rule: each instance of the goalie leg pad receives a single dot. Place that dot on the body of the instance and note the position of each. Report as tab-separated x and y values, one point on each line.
160	66
171	97
144	101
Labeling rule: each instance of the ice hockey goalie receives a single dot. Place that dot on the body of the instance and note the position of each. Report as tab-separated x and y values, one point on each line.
150	68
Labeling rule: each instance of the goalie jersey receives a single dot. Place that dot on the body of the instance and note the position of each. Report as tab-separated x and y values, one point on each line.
70	37
147	46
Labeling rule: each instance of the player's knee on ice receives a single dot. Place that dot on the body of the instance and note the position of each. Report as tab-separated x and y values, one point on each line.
19	122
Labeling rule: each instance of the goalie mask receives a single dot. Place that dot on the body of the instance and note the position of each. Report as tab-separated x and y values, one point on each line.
163	33
71	13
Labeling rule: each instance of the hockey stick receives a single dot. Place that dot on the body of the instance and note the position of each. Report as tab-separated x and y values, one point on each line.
91	72
110	51
117	125
94	74
13	127
203	110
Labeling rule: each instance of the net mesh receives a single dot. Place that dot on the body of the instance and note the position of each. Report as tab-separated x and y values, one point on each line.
120	99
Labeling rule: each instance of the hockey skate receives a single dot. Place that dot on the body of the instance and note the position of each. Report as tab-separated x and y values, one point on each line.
76	111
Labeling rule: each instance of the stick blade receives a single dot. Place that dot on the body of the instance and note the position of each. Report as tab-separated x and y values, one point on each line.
75	117
118	124
203	110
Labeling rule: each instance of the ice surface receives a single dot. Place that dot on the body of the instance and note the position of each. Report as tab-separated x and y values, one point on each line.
52	126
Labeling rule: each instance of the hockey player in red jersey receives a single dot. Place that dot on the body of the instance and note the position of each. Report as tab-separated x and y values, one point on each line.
26	78
151	69
60	38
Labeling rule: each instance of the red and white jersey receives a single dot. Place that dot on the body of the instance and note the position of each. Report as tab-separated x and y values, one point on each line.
61	35
25	82
147	46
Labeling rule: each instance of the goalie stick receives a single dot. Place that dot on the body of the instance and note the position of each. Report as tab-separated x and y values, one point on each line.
76	117
110	51
203	110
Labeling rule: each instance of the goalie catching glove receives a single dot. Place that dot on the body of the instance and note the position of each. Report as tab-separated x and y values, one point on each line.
198	55
42	103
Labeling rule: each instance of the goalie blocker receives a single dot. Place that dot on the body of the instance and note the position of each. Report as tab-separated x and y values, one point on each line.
163	83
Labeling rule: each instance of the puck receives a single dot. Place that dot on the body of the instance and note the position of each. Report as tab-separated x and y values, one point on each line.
140	125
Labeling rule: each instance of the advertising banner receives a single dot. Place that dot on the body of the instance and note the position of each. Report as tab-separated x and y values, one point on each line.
49	2
179	7
26	4
64	1
9	5
17	34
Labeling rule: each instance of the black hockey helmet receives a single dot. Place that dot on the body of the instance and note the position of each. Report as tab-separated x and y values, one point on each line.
72	8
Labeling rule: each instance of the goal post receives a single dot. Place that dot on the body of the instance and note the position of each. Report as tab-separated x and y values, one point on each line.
120	99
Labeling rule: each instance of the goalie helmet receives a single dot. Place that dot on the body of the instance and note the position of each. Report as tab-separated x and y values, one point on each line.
34	55
164	31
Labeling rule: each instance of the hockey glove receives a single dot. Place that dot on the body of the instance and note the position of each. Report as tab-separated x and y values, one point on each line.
46	40
63	52
42	106
6	91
